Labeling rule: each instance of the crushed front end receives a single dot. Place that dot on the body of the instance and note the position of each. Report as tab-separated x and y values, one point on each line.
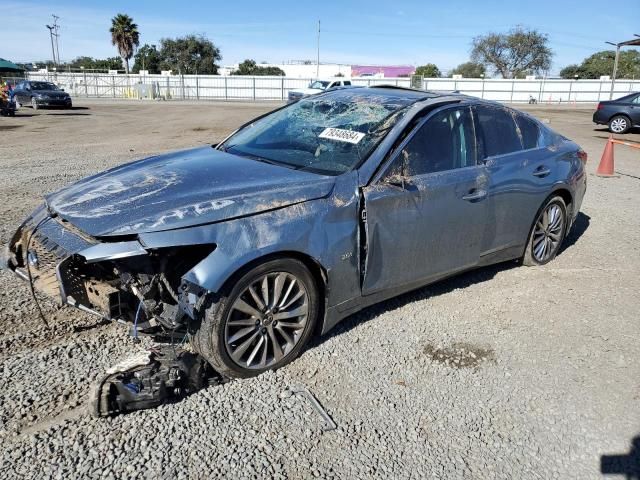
118	279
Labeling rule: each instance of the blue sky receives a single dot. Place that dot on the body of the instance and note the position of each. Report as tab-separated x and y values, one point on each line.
372	31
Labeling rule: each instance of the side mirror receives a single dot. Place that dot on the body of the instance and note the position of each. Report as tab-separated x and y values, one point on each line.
62	89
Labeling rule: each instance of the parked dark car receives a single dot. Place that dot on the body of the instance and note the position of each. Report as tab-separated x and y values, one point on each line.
304	216
41	94
620	115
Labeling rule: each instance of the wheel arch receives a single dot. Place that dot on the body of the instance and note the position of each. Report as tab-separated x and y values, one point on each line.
620	114
561	191
566	195
318	272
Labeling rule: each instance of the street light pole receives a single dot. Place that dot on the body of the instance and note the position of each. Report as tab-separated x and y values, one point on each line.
318	58
615	68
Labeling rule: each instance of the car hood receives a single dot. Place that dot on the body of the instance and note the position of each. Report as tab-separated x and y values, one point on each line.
182	189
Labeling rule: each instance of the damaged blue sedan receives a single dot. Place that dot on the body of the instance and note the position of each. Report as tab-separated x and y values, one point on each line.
302	217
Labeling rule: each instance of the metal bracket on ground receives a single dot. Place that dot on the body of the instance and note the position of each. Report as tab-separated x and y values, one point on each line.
328	424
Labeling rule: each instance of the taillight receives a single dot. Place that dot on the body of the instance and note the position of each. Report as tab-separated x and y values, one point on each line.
582	155
600	106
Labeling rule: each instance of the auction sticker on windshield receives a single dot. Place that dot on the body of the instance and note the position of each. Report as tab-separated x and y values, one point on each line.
341	135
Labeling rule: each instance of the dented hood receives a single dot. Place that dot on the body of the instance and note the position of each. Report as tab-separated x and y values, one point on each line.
182	189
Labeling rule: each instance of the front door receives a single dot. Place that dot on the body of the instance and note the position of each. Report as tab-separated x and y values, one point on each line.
425	217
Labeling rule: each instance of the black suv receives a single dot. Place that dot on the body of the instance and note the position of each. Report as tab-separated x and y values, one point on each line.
41	94
620	114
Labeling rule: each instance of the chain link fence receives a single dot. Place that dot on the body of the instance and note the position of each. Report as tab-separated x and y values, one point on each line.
214	87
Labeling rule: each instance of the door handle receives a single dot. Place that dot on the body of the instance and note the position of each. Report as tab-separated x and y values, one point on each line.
541	171
474	195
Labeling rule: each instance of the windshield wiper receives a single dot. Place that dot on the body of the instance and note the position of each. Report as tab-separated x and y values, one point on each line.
258	158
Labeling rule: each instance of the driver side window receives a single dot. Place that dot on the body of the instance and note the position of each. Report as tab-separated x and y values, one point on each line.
445	142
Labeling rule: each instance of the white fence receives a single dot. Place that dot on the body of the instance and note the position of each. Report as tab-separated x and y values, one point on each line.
212	87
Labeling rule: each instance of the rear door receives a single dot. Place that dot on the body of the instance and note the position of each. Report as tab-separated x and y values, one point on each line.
425	217
634	110
521	174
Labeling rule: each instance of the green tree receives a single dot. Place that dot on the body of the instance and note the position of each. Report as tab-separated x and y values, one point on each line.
90	63
429	70
125	36
249	67
469	70
190	54
601	63
147	58
85	62
514	54
573	71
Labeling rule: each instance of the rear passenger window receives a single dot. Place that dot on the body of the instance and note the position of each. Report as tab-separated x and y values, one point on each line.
496	131
528	131
347	83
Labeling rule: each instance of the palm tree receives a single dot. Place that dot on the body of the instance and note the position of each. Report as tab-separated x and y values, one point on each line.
125	36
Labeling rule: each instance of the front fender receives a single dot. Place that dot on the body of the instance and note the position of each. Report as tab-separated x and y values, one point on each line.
325	230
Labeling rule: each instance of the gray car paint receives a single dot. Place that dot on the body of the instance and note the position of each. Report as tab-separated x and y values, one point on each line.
179	190
287	212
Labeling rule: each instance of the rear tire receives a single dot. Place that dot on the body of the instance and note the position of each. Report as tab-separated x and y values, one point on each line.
240	339
619	124
547	233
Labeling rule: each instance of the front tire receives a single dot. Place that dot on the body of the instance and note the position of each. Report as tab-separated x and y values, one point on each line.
619	124
263	322
547	233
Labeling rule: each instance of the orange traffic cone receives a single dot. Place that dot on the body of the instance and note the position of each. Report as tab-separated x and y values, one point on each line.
605	169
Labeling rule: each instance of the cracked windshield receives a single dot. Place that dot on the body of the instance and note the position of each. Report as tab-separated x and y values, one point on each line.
328	134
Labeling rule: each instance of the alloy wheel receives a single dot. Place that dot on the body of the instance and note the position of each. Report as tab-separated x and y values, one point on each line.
547	234
618	125
267	320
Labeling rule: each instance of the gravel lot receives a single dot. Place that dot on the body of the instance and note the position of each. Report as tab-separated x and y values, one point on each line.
505	372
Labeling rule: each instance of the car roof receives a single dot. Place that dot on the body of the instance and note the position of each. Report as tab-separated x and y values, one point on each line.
394	98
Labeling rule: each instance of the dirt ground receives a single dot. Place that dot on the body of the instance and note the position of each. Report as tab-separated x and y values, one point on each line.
550	382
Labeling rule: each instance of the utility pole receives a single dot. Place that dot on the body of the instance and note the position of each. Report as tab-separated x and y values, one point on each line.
53	50
56	34
615	68
53	32
318	58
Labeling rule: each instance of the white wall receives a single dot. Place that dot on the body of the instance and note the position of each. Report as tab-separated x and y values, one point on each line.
277	88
